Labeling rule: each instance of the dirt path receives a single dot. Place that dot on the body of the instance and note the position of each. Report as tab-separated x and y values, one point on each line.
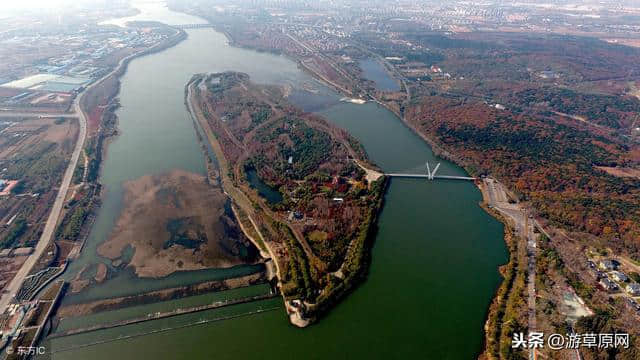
372	175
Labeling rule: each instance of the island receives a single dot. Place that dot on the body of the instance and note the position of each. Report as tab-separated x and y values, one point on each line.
302	189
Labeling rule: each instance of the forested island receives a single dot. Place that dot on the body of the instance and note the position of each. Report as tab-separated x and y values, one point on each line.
302	188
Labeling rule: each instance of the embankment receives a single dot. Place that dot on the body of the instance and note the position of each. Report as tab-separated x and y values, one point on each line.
160	295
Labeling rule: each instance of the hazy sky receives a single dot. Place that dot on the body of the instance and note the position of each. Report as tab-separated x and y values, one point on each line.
43	4
32	4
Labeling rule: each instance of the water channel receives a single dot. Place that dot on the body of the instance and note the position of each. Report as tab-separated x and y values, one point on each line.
375	71
435	260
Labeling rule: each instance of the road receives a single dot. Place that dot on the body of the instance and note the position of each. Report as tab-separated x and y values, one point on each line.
56	209
14	114
54	215
524	227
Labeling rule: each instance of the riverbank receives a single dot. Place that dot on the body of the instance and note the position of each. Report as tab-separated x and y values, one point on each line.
104	92
235	194
423	254
101	143
433	143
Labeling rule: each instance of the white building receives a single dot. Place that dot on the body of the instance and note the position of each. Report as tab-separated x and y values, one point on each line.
633	289
618	276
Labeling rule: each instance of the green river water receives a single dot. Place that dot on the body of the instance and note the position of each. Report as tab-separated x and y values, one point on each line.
435	258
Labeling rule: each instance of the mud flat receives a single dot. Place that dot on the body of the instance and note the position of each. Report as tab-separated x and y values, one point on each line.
176	221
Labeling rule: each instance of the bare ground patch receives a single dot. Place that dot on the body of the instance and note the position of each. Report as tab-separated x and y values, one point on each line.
620	171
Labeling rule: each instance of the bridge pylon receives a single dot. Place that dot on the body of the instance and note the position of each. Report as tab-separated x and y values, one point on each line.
431	174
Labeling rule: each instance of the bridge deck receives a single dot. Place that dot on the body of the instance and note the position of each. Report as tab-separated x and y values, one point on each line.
424	176
192	26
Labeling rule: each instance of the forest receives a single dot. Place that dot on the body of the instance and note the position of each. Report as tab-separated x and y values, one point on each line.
606	110
548	163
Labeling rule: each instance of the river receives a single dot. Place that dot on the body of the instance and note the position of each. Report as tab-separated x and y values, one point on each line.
436	255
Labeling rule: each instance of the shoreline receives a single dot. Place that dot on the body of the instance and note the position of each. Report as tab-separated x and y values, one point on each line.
105	135
244	203
439	151
226	183
223	171
112	103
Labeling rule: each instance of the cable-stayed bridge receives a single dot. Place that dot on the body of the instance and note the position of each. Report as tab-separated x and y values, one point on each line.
192	26
429	174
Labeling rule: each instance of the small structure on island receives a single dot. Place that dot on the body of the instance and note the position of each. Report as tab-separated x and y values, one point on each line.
633	289
295	215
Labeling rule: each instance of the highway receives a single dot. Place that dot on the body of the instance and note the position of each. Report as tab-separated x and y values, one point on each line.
12	114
